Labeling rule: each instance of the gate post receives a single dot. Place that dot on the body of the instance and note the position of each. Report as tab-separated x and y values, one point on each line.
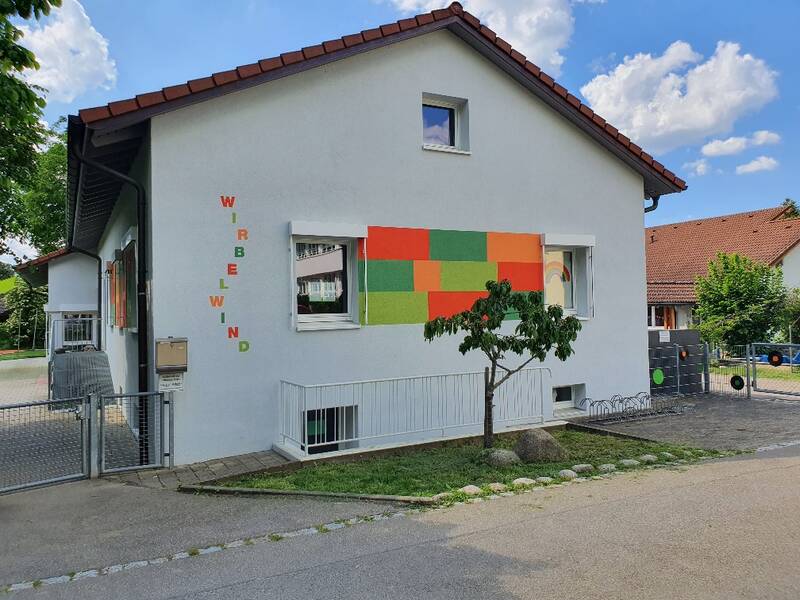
706	368
677	370
95	434
748	362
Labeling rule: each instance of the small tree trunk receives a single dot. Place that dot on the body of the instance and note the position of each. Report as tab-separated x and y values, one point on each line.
488	398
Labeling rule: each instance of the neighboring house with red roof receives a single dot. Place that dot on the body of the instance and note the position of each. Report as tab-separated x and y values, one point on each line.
299	218
678	253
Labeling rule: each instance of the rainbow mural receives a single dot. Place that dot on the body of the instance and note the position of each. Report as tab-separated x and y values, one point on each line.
410	275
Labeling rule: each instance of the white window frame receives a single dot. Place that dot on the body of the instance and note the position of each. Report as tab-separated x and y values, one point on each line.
459	106
347	320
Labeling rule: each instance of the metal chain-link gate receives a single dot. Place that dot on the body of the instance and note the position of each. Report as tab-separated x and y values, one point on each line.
680	370
67	439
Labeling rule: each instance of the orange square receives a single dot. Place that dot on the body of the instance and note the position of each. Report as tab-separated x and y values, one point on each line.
514	247
427	276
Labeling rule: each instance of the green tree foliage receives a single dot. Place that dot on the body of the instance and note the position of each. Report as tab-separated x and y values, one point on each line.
740	301
27	311
791	317
42	202
6	271
539	330
21	104
792	212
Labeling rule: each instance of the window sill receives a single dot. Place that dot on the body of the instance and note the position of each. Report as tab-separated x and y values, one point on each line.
447	149
326	325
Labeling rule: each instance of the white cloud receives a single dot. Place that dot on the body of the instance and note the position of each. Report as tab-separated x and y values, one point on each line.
539	29
698	167
762	163
764	137
73	55
667	101
436	134
734	145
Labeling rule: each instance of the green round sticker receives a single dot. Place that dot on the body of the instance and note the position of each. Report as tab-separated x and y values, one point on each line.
658	376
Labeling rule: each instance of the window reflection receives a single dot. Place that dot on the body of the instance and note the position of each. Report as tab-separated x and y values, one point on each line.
321	274
438	125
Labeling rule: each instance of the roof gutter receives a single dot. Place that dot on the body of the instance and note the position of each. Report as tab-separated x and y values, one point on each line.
142	324
653	206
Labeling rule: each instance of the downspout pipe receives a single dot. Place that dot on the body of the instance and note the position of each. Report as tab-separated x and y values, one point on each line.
99	290
142	324
653	206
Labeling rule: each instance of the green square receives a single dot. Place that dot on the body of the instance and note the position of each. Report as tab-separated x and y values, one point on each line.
392	308
457	245
467	276
390	276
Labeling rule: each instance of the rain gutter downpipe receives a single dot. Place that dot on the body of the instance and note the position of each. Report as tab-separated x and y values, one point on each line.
142	324
653	206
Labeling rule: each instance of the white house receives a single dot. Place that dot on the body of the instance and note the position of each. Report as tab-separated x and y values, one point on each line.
299	218
72	297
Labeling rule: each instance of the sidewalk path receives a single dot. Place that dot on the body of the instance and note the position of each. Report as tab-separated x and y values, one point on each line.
725	529
23	380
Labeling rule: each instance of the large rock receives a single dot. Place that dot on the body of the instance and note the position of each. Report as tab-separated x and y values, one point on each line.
500	457
537	446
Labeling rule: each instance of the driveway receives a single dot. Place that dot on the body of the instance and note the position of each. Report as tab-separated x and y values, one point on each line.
723	422
23	380
727	529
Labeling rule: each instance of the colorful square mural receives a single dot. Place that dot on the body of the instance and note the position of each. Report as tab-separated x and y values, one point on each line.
411	275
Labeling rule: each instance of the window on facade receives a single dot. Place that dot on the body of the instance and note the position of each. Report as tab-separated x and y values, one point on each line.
559	284
438	125
122	311
445	124
569	278
661	317
322	280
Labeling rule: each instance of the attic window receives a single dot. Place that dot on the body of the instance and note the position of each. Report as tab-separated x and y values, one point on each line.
445	124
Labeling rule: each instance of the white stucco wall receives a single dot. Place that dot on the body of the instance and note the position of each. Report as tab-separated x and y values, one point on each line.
683	316
342	143
72	284
791	268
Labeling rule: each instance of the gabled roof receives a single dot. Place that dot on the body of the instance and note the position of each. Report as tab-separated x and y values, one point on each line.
143	106
112	135
678	252
34	271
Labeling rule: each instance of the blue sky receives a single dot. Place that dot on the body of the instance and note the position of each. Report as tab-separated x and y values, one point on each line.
116	49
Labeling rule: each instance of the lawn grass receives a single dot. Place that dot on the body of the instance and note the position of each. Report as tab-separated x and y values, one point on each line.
23	354
7	284
428	472
784	373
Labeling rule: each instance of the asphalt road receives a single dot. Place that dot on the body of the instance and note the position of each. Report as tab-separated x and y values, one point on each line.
726	529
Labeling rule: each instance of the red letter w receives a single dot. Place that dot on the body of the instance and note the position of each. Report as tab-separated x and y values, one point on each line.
227	201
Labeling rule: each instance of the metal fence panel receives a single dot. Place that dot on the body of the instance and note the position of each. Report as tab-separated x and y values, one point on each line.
339	416
728	370
42	442
131	431
776	368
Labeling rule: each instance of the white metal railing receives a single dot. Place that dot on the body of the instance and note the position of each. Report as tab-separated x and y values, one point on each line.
357	414
72	334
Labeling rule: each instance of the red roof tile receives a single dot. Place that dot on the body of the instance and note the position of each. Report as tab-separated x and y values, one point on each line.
455	10
42	259
678	253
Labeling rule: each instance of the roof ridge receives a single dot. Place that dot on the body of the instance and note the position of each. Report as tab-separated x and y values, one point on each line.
454	11
726	216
